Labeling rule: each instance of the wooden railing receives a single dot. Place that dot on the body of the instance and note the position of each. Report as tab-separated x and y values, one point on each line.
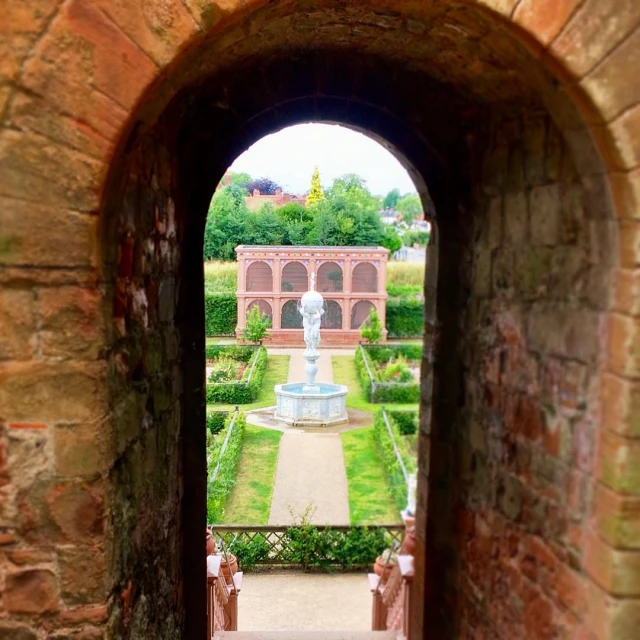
284	546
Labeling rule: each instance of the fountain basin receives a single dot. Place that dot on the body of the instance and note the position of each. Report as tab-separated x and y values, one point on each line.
314	405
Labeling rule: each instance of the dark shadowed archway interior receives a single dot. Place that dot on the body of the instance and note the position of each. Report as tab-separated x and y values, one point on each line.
467	111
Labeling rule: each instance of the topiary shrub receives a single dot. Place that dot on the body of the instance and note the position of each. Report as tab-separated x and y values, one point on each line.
245	390
215	421
220	314
405	317
406	421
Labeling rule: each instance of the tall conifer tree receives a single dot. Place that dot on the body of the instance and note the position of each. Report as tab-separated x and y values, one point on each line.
315	193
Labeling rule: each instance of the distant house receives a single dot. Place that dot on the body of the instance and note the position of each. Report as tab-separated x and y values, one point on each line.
257	199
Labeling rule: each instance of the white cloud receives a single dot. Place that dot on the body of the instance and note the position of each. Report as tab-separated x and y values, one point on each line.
289	156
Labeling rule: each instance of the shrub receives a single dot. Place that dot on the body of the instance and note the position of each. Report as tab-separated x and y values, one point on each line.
245	390
215	421
404	290
220	314
392	467
371	329
405	317
218	488
380	391
406	421
220	277
257	325
396	371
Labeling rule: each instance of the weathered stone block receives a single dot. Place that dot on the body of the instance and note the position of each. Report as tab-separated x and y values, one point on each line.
618	572
624	345
544	19
70	322
80	450
82	574
77	510
515	219
617	518
619	463
17	324
47	392
544	205
621	405
14	631
31	591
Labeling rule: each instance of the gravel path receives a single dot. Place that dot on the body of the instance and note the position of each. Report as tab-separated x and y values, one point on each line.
310	475
302	601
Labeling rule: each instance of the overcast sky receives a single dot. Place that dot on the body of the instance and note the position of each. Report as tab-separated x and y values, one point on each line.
289	156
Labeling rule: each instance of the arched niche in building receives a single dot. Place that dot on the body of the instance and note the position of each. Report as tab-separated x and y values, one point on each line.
264	307
364	278
294	277
259	277
360	312
330	278
290	317
332	318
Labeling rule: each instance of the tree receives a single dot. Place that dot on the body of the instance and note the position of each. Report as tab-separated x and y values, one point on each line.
226	223
257	324
266	186
371	329
294	212
391	240
240	179
410	207
315	194
391	199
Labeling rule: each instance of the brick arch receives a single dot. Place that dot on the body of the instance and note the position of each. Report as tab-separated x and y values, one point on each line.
90	88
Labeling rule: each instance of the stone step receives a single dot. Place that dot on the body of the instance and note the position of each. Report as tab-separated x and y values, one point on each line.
308	635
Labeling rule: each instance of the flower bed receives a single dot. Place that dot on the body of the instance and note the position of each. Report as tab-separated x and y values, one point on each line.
387	373
235	373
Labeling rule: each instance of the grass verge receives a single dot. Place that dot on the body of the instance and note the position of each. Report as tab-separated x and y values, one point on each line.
277	372
370	499
250	499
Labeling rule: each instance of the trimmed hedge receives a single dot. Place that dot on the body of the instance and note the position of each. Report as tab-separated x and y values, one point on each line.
245	390
391	392
309	546
216	420
405	317
220	314
389	459
406	421
219	490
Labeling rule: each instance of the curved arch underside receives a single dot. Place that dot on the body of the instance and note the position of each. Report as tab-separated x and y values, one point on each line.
520	132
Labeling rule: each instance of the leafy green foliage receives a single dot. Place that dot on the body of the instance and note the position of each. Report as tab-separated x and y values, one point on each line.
220	314
378	390
257	324
411	237
371	329
218	488
220	277
216	420
391	199
315	194
406	421
392	466
410	207
347	214
405	317
309	546
266	186
243	391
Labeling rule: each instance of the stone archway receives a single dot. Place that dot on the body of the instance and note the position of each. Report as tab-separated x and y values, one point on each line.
119	119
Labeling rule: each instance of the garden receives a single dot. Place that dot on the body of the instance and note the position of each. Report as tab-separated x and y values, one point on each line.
389	373
405	304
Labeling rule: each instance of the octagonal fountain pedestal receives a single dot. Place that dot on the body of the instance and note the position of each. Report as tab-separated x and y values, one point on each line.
311	403
318	405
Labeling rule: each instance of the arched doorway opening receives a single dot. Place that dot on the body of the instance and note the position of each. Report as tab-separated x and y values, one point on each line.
515	177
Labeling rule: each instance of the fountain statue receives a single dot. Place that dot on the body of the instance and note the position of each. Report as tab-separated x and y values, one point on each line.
311	403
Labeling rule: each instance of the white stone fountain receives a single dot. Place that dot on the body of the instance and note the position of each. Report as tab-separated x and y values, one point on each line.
312	403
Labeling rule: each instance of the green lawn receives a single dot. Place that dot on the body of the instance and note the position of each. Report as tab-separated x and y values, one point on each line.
250	498
277	372
344	372
370	501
